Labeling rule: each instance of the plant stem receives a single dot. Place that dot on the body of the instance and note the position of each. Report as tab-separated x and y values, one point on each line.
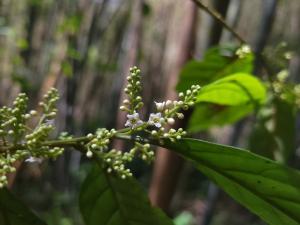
74	142
217	16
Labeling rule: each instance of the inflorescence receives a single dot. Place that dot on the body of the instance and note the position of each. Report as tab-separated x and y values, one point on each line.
21	142
18	140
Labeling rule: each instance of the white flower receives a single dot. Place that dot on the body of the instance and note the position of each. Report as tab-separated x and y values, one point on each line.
34	160
133	120
155	119
160	106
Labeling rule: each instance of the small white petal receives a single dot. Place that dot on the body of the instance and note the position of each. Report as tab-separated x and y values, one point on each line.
34	160
160	106
158	125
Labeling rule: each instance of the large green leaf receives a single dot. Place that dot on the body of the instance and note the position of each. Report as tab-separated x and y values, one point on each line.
266	144
226	100
267	188
218	62
13	212
108	200
207	115
236	89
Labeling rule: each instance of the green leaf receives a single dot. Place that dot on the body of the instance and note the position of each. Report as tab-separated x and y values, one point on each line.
218	62
285	127
226	101
13	212
207	115
108	200
236	89
266	144
267	188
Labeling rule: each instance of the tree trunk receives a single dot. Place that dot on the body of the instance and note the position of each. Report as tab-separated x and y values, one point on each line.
133	45
180	48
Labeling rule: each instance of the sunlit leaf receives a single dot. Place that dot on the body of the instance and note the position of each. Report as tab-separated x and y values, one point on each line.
226	101
236	89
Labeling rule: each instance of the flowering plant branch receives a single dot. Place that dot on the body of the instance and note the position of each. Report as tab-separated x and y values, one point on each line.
33	144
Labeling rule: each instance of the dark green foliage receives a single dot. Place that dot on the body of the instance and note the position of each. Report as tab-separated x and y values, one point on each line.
13	212
285	127
265	187
108	200
218	62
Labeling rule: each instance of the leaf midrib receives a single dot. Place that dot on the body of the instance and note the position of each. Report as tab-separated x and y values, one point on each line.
119	208
268	201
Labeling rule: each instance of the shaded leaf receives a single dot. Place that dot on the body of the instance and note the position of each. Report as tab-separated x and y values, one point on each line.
207	115
14	212
266	144
218	62
285	127
108	200
265	187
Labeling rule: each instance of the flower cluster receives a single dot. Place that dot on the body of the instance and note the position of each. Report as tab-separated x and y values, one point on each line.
35	140
18	140
113	160
243	51
166	113
12	120
285	90
157	125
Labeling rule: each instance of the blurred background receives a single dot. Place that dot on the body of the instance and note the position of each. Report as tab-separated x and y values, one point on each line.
85	49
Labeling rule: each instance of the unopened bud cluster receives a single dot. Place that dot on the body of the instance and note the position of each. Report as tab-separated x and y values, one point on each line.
285	90
12	120
15	133
49	104
99	142
133	90
114	161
